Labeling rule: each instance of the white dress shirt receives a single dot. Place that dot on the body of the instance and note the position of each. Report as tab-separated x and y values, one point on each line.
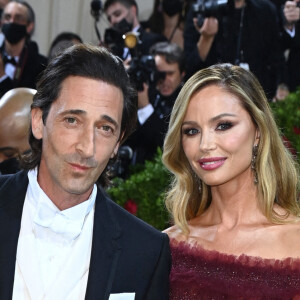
9	69
54	247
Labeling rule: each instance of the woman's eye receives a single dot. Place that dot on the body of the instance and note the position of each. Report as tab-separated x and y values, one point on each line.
190	131
224	126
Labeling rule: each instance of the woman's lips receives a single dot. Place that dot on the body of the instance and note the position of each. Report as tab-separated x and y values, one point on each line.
211	163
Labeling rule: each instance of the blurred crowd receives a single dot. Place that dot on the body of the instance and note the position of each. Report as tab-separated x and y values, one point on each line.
160	54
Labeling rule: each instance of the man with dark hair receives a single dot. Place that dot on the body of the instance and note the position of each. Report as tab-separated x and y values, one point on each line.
61	237
123	17
156	102
20	61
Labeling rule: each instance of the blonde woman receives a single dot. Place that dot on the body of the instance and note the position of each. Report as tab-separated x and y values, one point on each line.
236	232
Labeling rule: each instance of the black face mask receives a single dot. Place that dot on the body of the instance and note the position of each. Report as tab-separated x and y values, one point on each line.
123	26
14	32
172	7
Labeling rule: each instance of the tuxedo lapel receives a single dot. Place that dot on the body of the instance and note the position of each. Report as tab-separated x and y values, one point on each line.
12	196
105	251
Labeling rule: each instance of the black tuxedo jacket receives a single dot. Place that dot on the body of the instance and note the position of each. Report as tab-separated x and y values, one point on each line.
127	255
31	64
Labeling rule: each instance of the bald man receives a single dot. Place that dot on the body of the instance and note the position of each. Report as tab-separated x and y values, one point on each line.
14	127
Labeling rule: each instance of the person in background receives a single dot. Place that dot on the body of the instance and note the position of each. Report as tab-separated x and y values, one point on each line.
168	18
234	197
63	41
282	92
123	18
20	61
14	123
61	237
156	102
242	32
290	41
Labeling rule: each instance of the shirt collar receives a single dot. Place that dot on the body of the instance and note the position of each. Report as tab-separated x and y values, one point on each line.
49	216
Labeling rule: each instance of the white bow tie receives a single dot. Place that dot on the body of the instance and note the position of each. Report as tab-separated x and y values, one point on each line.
57	222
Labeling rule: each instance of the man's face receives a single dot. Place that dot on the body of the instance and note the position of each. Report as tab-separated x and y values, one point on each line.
17	13
81	134
173	76
117	12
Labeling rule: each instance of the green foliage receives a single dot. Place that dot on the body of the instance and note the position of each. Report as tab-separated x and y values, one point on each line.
146	188
287	115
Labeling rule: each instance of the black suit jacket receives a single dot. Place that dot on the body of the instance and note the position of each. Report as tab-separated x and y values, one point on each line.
31	65
127	255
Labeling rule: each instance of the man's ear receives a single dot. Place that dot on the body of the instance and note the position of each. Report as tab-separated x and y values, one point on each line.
37	123
182	75
133	10
117	146
29	28
115	151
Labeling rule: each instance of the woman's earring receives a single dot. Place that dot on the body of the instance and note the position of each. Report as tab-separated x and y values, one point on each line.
253	163
198	182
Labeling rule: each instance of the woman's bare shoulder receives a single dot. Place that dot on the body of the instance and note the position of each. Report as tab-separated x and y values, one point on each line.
290	238
174	232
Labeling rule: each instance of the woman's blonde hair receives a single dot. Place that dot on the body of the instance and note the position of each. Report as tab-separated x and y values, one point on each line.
277	171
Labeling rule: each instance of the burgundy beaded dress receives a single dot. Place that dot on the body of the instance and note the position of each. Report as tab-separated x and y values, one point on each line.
204	274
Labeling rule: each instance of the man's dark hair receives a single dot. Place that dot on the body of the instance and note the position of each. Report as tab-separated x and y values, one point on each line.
30	11
87	61
171	51
62	41
126	3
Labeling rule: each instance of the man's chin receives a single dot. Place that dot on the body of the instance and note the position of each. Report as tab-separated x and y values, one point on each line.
166	93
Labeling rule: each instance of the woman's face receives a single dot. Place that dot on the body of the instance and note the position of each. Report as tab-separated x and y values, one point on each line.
218	136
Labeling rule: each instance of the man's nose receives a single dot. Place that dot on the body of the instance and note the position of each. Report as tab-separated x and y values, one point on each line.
86	144
113	20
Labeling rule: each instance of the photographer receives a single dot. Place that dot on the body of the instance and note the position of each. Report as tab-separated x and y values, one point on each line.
290	40
242	32
123	17
155	102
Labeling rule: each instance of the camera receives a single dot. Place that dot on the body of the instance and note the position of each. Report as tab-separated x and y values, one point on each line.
120	167
142	68
207	8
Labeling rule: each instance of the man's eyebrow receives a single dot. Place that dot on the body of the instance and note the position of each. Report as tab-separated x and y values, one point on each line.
110	120
73	112
82	112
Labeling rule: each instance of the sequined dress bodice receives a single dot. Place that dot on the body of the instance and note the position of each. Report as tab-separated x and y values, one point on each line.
203	274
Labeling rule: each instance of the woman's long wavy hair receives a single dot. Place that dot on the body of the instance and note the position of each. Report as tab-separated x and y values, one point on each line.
277	171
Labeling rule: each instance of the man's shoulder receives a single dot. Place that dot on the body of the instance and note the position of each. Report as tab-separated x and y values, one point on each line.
34	53
7	178
130	223
12	182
